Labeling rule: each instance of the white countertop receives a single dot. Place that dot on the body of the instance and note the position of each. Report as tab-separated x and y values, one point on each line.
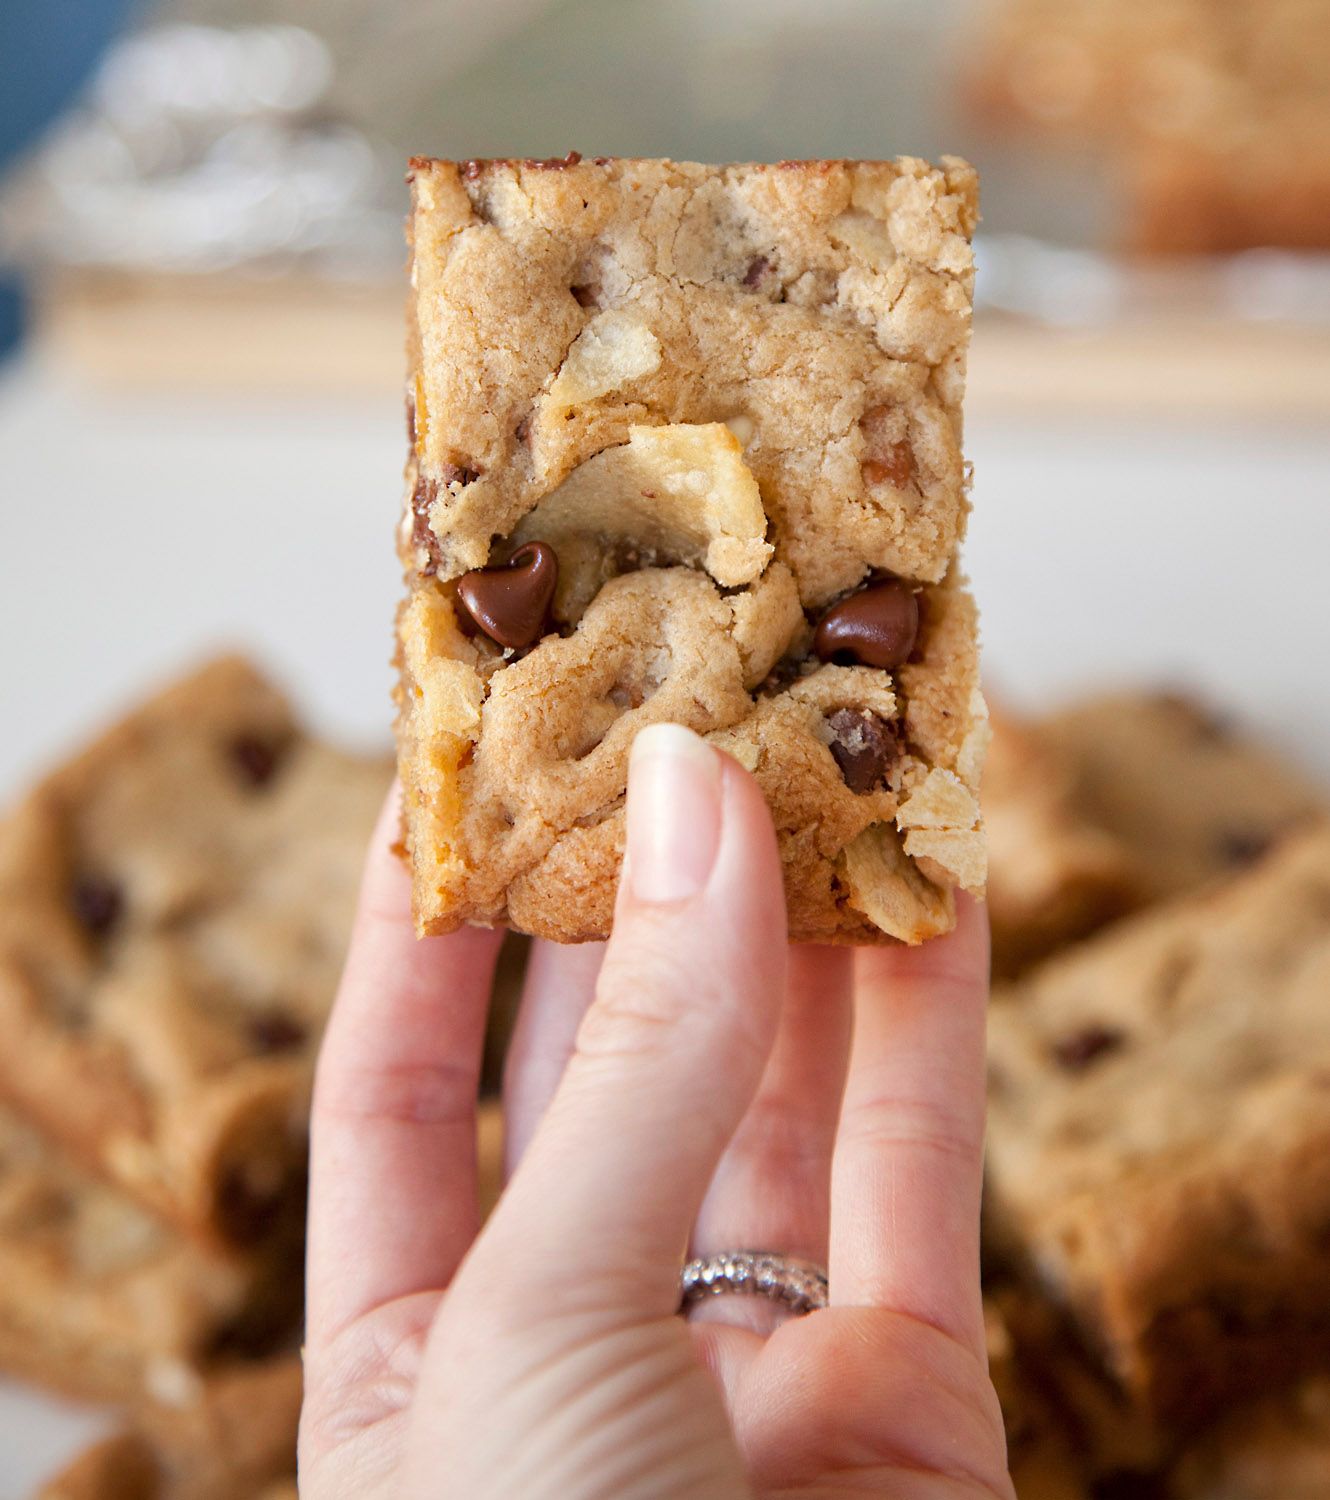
142	529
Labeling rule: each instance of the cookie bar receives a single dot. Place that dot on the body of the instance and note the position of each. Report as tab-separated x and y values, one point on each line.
1214	118
1159	1136
174	905
236	1441
1188	795
1054	876
685	445
1280	1450
100	1300
1042	1461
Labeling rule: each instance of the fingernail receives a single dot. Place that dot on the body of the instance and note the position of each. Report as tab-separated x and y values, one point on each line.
673	813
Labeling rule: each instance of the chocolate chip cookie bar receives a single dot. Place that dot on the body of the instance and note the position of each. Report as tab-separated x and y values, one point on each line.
235	1441
1054	875
174	905
1159	1136
685	446
1189	796
1214	118
101	1300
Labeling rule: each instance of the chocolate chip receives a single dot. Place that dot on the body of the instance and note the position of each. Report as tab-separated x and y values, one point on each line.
511	602
1239	847
422	533
757	269
875	627
97	903
1077	1051
586	296
473	168
275	1031
864	746
523	429
255	758
411	424
422	502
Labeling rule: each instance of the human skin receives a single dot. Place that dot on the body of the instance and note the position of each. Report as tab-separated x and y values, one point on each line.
691	1086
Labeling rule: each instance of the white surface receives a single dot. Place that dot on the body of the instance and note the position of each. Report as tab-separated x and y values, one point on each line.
139	531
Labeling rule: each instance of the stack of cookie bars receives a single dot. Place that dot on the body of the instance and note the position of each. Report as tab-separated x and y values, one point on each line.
1157	1223
174	905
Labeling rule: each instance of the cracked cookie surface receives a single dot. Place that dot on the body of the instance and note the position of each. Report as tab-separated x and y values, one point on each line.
727	401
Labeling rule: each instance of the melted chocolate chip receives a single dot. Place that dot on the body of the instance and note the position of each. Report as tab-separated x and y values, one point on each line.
864	747
1077	1051
511	603
255	758
473	168
97	903
587	295
757	269
875	627
523	429
275	1031
411	424
459	474
422	533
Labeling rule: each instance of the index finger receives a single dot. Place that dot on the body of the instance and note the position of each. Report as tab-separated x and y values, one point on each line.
908	1166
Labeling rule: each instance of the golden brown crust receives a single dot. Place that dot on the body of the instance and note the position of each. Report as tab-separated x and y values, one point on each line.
766	361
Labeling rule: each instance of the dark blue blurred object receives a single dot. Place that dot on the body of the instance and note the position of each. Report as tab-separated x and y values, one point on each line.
47	50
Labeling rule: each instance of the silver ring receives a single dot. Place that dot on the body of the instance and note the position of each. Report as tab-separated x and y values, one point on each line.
799	1284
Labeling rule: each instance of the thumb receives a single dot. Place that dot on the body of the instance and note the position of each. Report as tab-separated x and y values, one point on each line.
672	1049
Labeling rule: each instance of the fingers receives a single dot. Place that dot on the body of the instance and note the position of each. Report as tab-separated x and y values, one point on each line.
907	1169
560	982
393	1153
772	1187
671	1051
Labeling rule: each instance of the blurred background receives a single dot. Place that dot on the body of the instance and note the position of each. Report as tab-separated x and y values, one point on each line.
201	284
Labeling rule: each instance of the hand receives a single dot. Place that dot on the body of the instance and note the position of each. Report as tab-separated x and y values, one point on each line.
691	1084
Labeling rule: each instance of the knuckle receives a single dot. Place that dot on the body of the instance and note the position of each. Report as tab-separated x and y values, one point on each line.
892	1122
408	1093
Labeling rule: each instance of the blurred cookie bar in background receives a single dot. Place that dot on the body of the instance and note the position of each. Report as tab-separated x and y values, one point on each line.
1159	1138
1215	118
1119	801
174	908
1053	876
99	1299
232	1442
1191	797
